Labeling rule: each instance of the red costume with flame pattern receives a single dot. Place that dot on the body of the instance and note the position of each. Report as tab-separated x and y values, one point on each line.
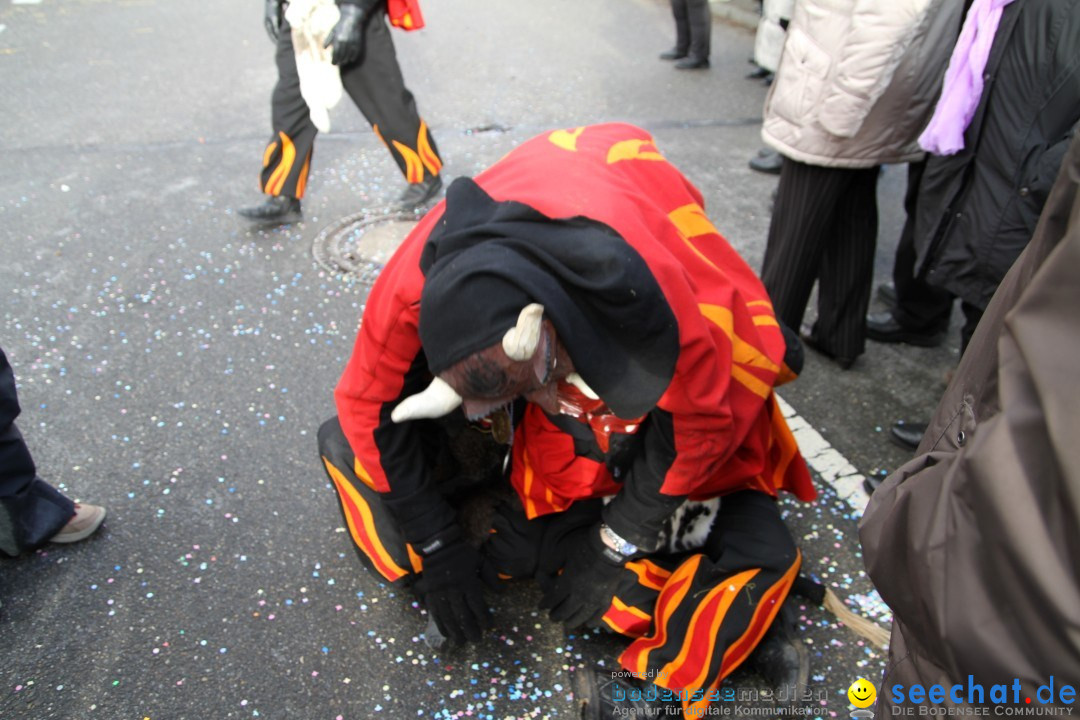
684	371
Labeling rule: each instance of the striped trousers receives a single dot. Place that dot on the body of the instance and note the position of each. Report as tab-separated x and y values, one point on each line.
376	86
824	228
693	617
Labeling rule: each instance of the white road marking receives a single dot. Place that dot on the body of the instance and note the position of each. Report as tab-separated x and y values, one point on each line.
826	460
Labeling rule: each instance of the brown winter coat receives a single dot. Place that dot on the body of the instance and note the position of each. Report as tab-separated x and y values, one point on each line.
975	543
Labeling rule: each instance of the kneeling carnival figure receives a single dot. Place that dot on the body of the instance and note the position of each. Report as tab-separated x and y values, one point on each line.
563	367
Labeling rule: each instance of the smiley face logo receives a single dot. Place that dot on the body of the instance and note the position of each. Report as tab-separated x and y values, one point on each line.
861	693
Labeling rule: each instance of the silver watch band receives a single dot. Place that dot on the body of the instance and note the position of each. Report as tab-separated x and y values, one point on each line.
615	542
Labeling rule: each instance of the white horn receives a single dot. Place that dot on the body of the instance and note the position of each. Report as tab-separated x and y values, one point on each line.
436	400
577	381
520	341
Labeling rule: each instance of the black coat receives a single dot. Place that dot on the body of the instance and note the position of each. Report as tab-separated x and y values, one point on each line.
977	209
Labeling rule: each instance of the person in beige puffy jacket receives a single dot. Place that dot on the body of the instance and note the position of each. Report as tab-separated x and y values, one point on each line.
857	82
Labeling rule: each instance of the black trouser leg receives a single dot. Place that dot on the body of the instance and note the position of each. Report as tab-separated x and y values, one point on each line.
682	26
711	610
287	158
846	274
919	306
801	211
375	84
814	213
31	510
699	17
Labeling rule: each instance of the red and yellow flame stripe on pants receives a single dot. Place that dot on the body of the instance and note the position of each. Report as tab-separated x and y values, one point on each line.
377	538
695	617
697	620
376	86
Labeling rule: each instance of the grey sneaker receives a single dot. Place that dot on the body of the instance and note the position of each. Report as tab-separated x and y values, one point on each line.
83	524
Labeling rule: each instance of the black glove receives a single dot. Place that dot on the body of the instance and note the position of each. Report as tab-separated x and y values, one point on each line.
583	593
511	546
347	37
562	536
273	19
451	587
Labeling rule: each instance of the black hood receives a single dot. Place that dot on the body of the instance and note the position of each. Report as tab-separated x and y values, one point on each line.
487	260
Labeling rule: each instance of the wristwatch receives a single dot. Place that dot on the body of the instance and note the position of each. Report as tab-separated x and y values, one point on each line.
616	543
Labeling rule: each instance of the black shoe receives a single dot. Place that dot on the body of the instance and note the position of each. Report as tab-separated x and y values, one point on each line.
419	193
757	74
692	63
907	435
887	292
275	209
768	163
673	54
883	327
606	694
811	341
782	658
872	483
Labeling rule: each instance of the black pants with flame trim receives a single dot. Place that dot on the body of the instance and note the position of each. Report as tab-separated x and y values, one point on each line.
693	617
376	86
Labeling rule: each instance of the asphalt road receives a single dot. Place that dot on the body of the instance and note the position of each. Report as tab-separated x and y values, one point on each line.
174	364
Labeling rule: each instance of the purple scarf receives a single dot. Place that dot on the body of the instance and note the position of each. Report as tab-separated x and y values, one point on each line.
944	135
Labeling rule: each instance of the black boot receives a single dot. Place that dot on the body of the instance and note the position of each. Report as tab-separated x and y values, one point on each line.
907	435
275	209
419	193
782	659
606	694
883	327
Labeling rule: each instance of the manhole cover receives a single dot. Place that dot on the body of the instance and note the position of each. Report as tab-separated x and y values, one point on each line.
360	244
